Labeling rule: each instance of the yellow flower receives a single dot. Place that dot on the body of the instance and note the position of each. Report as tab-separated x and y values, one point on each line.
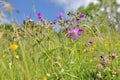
13	46
107	45
44	78
17	56
92	49
48	74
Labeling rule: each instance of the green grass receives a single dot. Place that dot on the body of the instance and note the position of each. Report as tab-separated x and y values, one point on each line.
42	51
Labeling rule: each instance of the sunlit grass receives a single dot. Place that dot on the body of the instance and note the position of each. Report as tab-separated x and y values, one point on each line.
34	51
43	52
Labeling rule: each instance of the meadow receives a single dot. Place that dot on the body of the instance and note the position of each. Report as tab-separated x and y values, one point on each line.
81	50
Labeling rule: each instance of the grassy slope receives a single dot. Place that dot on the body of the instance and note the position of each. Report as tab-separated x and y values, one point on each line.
45	52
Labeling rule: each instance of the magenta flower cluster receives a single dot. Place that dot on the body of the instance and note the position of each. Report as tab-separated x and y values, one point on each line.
74	33
81	15
60	15
40	16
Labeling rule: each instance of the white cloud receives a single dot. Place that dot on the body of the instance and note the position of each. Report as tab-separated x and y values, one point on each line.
72	5
3	18
118	1
2	21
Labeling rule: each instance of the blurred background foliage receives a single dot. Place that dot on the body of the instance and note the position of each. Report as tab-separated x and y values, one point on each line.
104	14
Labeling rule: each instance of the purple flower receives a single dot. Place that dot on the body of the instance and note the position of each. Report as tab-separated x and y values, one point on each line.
114	56
90	42
81	15
80	31
103	57
74	22
55	22
105	62
29	18
60	15
74	33
39	15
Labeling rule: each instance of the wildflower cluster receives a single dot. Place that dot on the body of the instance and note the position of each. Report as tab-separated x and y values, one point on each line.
106	64
46	47
103	57
74	33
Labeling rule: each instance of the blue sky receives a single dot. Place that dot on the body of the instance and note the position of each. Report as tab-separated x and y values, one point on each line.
49	8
